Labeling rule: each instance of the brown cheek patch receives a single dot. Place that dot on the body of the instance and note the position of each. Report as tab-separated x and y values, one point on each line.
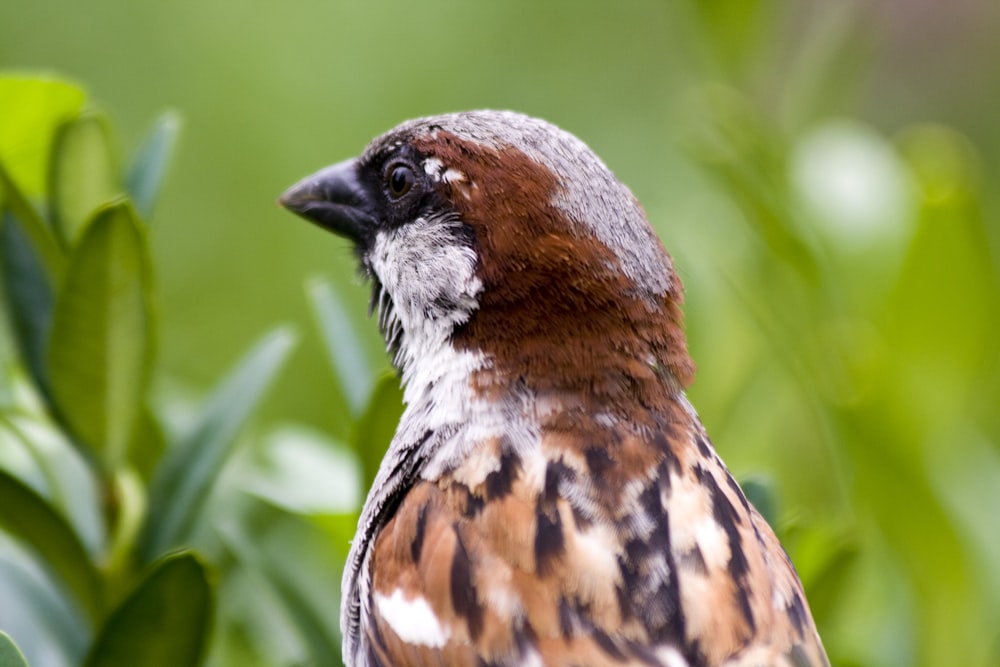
557	312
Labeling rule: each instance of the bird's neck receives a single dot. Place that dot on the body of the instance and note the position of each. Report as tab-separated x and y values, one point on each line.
460	400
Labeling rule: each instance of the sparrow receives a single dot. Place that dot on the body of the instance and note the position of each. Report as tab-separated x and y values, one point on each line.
550	496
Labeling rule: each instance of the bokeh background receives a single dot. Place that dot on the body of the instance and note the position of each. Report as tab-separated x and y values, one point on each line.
825	175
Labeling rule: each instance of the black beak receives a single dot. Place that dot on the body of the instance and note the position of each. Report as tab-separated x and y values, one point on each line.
335	199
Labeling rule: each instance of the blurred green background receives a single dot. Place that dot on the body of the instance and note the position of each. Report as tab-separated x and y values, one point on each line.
824	174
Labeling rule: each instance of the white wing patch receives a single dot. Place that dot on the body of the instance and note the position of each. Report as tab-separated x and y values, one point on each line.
413	621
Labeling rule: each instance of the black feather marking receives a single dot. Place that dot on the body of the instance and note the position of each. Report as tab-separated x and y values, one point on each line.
703	447
797	613
556	473
474	505
607	644
645	654
375	644
599	460
568	619
727	517
662	444
470	503
417	545
500	482
464	599
693	654
738	491
549	540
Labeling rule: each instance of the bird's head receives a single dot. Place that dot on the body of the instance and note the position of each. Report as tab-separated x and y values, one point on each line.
503	235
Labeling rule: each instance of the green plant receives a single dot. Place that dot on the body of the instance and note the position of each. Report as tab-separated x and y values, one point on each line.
101	500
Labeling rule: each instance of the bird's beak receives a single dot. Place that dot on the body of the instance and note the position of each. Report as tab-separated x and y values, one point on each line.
335	199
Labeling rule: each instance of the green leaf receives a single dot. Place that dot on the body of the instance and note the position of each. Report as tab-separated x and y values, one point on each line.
42	240
31	107
26	515
28	295
10	655
165	621
309	621
344	349
100	346
378	424
186	475
82	174
304	472
147	444
149	167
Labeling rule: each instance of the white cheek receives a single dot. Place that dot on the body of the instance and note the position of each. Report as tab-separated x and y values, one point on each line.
430	274
431	277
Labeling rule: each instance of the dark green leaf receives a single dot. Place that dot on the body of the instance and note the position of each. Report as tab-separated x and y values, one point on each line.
100	346
185	477
149	167
10	655
378	424
28	295
27	516
82	174
44	244
344	349
165	621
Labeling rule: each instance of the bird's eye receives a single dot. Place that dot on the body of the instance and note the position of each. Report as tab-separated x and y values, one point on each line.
399	180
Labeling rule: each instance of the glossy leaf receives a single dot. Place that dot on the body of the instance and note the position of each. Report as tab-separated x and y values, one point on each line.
165	621
27	516
377	426
31	107
149	167
100	346
344	349
185	477
10	655
82	174
28	295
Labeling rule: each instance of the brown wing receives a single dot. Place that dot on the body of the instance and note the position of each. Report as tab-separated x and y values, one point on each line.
643	551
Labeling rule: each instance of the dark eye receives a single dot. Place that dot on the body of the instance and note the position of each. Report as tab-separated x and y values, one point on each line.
399	180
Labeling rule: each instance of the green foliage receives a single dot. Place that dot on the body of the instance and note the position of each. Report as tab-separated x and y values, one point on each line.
823	174
81	174
869	292
184	480
27	517
100	345
95	493
10	655
164	622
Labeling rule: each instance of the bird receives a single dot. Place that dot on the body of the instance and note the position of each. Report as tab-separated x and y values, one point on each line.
550	496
